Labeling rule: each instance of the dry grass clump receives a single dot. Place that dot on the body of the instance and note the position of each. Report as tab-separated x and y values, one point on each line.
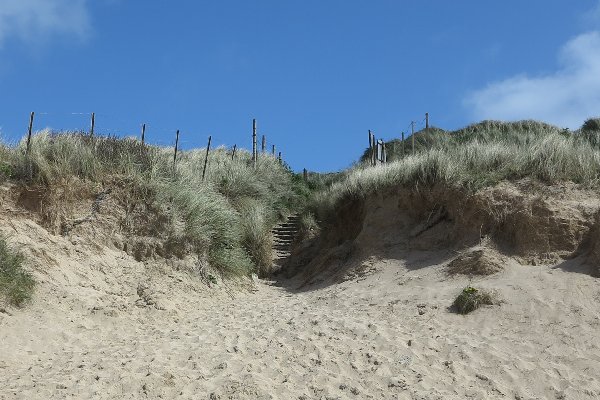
470	299
16	284
480	261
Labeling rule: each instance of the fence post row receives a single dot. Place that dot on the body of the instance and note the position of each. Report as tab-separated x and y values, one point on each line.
206	158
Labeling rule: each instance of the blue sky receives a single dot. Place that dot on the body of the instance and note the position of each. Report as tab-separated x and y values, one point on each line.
316	74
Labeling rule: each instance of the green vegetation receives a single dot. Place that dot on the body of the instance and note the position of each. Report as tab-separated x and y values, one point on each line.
16	285
226	218
470	299
477	156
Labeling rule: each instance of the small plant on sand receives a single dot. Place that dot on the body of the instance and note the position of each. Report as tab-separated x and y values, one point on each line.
16	284
471	299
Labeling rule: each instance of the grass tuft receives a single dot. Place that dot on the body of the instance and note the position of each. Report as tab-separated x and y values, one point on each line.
16	284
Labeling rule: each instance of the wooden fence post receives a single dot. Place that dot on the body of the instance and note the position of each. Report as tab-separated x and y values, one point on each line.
206	158
264	143
305	175
273	151
28	148
143	133
370	147
402	144
412	135
254	151
384	158
233	152
279	158
427	121
176	146
93	124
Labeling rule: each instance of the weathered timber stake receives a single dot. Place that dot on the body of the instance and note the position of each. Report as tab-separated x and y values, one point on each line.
279	158
427	121
176	146
402	144
93	124
370	147
305	175
254	151
206	158
233	152
273	150
264	143
384	154
28	148
412	135
143	133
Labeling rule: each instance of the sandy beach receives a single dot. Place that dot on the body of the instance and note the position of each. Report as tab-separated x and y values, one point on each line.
103	326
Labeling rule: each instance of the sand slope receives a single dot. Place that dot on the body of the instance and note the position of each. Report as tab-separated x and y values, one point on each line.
105	326
94	332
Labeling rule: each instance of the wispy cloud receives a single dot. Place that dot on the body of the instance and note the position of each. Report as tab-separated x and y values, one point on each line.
565	97
36	20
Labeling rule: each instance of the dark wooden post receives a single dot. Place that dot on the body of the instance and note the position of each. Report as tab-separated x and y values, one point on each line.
384	154
254	152
233	152
305	175
28	148
93	124
374	147
370	147
206	158
427	121
279	158
176	146
143	133
273	151
412	135
402	144
264	143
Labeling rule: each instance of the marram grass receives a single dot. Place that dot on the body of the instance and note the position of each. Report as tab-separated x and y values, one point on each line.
226	216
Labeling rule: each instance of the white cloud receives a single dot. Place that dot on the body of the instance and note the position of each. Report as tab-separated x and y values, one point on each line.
566	97
36	20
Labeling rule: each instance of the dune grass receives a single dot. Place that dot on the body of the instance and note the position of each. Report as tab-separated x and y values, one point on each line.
477	156
227	216
16	284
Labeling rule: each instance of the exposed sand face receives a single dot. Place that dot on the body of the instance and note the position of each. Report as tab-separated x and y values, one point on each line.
105	326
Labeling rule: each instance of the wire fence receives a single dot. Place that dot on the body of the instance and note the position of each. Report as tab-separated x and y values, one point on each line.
378	149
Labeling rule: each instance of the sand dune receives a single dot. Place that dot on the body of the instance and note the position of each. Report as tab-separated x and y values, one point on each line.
105	326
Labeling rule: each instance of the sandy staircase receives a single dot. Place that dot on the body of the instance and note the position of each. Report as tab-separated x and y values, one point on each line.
283	237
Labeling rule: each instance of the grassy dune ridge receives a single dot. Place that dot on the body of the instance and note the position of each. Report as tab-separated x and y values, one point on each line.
479	155
228	216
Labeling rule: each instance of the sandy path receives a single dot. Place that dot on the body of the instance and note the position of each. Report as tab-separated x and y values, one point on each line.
92	333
